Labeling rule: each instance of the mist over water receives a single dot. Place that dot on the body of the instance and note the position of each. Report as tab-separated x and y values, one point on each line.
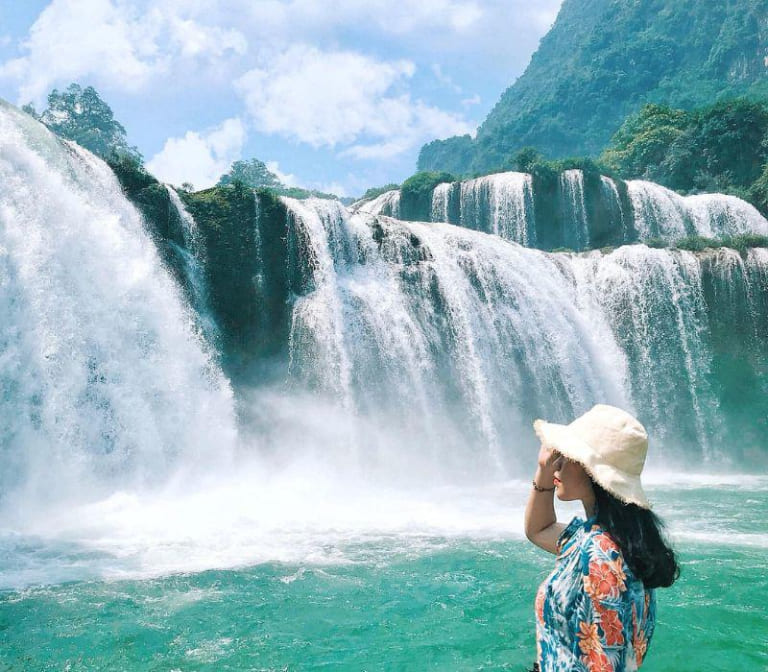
418	357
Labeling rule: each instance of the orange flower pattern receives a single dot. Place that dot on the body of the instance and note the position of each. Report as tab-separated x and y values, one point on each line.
605	580
592	614
589	639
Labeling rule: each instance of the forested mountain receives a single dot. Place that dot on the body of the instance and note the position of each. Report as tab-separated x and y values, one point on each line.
601	62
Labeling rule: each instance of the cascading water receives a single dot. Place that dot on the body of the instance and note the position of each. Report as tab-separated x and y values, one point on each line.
479	330
661	213
440	202
715	215
105	383
475	333
613	204
573	209
387	204
501	204
654	302
193	256
318	350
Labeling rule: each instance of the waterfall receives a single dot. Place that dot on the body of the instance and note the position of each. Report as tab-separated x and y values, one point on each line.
194	260
612	202
387	204
654	302
440	200
459	335
318	347
435	344
500	204
716	215
464	337
661	213
573	210
103	377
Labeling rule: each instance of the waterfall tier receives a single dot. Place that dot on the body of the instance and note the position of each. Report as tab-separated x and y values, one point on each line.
430	348
577	210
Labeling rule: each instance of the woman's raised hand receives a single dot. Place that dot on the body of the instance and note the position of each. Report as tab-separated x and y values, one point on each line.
547	457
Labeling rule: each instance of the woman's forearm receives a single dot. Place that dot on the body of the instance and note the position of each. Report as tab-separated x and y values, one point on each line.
540	511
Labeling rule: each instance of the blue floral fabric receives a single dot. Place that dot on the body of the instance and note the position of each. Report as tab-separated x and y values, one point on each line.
592	613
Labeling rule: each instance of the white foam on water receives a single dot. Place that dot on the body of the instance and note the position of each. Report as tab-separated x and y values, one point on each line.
662	213
387	204
304	515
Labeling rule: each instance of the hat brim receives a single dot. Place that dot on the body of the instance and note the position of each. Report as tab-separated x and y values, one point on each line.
622	485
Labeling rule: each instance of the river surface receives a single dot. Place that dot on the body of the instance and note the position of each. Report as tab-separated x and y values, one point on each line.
434	580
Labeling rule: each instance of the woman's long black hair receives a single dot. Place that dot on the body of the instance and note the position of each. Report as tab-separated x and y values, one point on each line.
638	533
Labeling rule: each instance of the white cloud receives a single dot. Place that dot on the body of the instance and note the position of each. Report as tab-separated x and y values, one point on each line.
305	17
322	98
122	44
335	188
288	179
194	39
72	38
445	79
199	158
420	123
338	97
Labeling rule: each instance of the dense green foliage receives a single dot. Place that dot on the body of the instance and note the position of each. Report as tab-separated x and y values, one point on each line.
454	155
245	233
721	147
82	116
601	62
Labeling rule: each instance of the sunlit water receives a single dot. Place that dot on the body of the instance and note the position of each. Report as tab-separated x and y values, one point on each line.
355	579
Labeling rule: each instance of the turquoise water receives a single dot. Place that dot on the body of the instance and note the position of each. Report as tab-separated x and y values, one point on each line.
399	601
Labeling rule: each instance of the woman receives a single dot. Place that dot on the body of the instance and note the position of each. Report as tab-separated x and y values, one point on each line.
596	611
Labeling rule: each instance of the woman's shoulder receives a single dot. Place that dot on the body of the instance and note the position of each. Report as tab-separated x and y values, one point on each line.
600	540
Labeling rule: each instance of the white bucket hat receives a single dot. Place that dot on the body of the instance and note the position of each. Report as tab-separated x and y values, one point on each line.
609	443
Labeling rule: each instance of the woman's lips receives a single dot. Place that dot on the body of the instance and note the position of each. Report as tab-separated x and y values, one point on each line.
557	481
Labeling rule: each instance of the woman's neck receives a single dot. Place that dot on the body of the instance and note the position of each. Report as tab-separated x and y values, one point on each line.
590	507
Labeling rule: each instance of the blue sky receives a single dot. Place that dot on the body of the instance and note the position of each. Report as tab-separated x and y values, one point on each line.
338	96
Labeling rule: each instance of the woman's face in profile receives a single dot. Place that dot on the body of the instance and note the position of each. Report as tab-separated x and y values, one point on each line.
571	480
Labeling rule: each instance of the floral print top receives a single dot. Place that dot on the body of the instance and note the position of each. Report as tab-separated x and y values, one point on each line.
592	613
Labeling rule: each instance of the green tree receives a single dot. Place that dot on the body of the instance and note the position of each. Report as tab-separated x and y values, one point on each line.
526	159
253	173
82	116
730	137
641	143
